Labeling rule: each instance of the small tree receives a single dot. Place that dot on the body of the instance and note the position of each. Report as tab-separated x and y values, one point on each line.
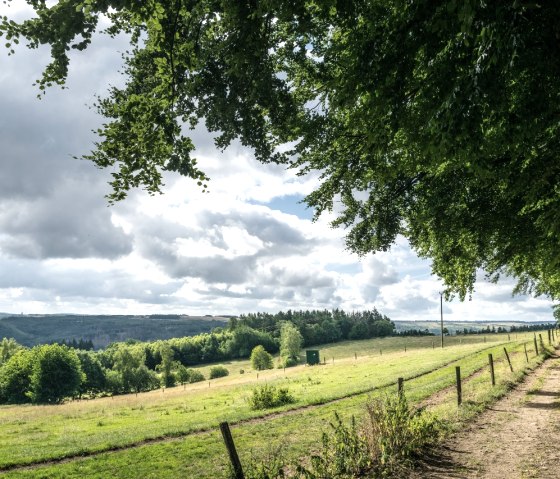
182	373
166	365
95	380
56	374
291	341
260	358
8	347
15	377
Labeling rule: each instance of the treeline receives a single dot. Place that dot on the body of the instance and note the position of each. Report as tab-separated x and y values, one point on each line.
321	327
50	373
84	344
417	332
503	329
532	327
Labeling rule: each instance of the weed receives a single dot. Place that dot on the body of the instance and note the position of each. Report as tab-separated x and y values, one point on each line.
266	397
271	465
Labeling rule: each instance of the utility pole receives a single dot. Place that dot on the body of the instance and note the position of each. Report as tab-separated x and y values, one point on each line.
441	315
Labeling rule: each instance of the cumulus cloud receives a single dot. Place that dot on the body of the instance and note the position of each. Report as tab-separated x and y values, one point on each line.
245	246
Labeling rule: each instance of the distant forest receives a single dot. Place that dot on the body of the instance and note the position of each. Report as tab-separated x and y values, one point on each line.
101	330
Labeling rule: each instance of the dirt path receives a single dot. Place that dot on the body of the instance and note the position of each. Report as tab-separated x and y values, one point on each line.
518	438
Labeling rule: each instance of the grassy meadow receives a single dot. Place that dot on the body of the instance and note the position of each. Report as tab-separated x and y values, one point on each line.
173	432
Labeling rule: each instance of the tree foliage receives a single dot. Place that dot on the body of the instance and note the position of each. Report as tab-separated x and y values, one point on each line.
433	120
15	377
8	347
260	358
291	342
56	374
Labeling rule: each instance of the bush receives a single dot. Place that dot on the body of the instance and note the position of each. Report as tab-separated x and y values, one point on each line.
218	372
266	397
195	376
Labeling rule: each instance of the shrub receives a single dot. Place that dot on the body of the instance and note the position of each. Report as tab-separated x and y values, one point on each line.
195	376
266	397
218	372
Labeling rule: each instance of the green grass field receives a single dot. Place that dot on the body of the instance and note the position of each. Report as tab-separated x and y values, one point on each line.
174	432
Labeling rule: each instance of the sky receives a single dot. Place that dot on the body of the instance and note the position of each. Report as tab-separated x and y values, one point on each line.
246	245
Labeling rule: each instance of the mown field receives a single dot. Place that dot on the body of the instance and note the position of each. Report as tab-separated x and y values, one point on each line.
173	432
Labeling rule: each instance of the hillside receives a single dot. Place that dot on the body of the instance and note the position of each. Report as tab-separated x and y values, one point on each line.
30	330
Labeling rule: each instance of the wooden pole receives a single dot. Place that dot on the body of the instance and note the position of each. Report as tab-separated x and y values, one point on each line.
526	355
459	389
549	336
400	386
492	376
441	315
508	360
542	342
536	347
230	446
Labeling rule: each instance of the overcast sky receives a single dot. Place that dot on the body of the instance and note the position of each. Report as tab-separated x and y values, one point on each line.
247	245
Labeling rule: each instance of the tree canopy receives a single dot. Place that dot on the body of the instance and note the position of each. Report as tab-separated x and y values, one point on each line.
438	121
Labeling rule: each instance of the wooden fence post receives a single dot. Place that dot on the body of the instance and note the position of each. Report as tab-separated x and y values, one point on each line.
536	347
230	446
400	387
492	376
508	360
526	355
549	336
508	339
459	390
542	342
